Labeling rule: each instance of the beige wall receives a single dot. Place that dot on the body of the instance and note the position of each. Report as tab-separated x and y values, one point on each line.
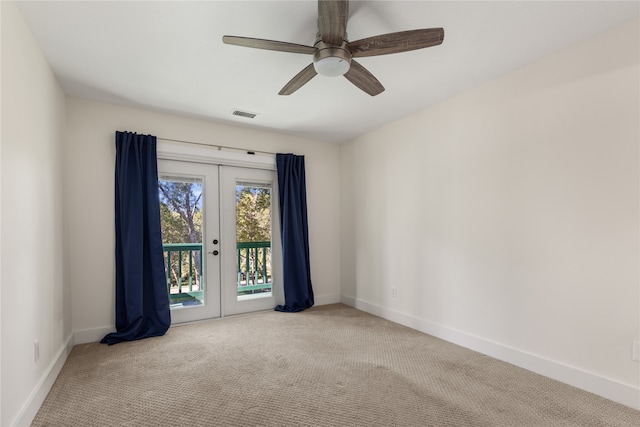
35	303
90	156
507	217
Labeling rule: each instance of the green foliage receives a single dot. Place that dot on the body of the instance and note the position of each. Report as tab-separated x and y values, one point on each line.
174	228
253	214
180	212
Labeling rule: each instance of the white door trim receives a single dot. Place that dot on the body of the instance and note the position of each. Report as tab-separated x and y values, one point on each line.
213	155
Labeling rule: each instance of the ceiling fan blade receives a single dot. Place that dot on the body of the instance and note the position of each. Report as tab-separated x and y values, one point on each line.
402	41
299	80
363	79
332	20
269	44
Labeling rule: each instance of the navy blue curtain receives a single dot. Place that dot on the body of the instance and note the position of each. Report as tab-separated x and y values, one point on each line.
298	293
142	302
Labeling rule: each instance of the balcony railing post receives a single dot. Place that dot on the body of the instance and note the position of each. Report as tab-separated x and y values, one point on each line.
264	265
239	266
190	271
201	269
180	271
247	274
255	266
168	270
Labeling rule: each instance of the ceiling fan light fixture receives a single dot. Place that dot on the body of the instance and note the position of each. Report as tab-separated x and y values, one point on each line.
332	61
331	66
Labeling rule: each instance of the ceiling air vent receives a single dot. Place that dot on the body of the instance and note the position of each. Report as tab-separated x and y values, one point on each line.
246	114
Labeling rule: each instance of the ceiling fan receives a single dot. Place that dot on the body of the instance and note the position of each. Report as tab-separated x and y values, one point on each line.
333	53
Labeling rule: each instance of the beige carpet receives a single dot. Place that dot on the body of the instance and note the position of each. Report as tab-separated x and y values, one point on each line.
328	366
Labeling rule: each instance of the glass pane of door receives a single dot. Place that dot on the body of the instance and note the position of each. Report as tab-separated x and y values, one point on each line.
253	240
181	221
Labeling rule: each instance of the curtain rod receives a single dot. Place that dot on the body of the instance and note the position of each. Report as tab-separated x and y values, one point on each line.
219	147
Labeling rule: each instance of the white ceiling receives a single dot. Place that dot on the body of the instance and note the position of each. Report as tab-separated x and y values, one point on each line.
169	56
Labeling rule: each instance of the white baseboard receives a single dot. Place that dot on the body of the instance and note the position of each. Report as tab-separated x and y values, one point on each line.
610	389
40	391
91	335
326	299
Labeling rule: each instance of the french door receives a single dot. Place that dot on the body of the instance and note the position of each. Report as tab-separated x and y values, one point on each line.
220	239
251	236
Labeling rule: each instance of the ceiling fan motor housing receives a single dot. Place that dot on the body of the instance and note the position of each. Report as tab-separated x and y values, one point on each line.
331	61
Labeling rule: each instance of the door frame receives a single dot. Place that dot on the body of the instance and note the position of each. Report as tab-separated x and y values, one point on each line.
216	155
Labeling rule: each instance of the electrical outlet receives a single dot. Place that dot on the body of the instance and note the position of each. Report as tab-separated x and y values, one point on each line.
394	292
36	350
636	351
